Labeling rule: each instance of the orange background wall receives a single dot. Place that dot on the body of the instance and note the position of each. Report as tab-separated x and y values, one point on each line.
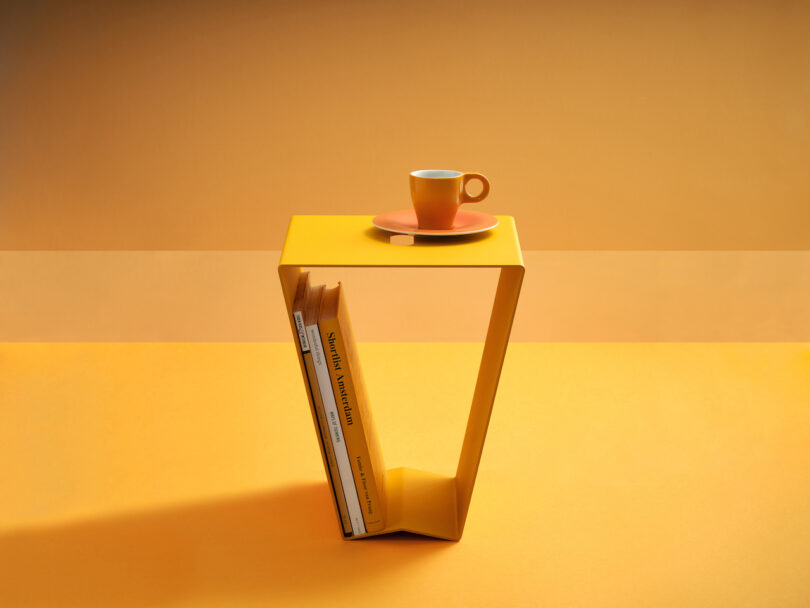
602	125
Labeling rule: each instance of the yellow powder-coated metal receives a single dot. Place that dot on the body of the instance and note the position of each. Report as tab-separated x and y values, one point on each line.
418	501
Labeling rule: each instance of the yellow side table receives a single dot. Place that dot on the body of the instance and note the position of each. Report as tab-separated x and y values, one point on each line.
418	501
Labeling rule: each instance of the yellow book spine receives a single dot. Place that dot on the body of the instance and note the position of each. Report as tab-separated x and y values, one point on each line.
319	418
356	421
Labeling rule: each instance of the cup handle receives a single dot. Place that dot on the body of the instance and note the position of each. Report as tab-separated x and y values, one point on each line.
466	198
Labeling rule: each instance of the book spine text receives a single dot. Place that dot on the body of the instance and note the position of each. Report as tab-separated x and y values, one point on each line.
336	432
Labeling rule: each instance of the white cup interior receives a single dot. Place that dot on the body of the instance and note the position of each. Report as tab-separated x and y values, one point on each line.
435	173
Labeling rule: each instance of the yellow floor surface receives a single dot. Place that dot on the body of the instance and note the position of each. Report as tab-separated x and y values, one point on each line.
188	474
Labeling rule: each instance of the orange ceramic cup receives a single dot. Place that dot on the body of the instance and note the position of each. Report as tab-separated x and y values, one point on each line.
437	194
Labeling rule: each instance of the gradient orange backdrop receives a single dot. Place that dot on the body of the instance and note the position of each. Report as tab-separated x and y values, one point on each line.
142	466
621	125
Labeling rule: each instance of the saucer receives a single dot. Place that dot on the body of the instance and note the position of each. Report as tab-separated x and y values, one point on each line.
404	222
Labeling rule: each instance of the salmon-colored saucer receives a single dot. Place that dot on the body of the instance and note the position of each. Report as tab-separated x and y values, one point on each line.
404	222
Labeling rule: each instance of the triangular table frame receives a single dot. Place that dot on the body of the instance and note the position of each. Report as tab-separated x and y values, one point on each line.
417	501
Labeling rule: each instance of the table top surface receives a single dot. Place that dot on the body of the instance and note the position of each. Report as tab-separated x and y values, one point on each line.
352	240
613	475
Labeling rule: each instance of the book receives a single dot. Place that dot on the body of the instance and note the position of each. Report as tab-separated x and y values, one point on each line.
302	295
347	485
350	393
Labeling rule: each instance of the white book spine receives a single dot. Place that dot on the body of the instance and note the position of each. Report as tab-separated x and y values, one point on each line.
302	333
336	431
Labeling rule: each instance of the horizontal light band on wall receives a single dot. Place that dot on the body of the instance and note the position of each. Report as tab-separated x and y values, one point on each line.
215	296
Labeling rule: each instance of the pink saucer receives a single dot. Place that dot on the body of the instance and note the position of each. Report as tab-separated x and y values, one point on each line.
404	222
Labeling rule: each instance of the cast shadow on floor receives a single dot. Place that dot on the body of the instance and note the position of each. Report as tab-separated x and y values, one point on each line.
277	545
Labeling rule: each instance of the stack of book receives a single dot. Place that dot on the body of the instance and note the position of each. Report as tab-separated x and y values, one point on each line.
340	407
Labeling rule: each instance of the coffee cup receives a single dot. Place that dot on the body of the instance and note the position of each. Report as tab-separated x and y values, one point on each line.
438	193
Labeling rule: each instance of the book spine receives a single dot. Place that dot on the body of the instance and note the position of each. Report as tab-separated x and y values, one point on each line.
319	418
353	419
330	409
